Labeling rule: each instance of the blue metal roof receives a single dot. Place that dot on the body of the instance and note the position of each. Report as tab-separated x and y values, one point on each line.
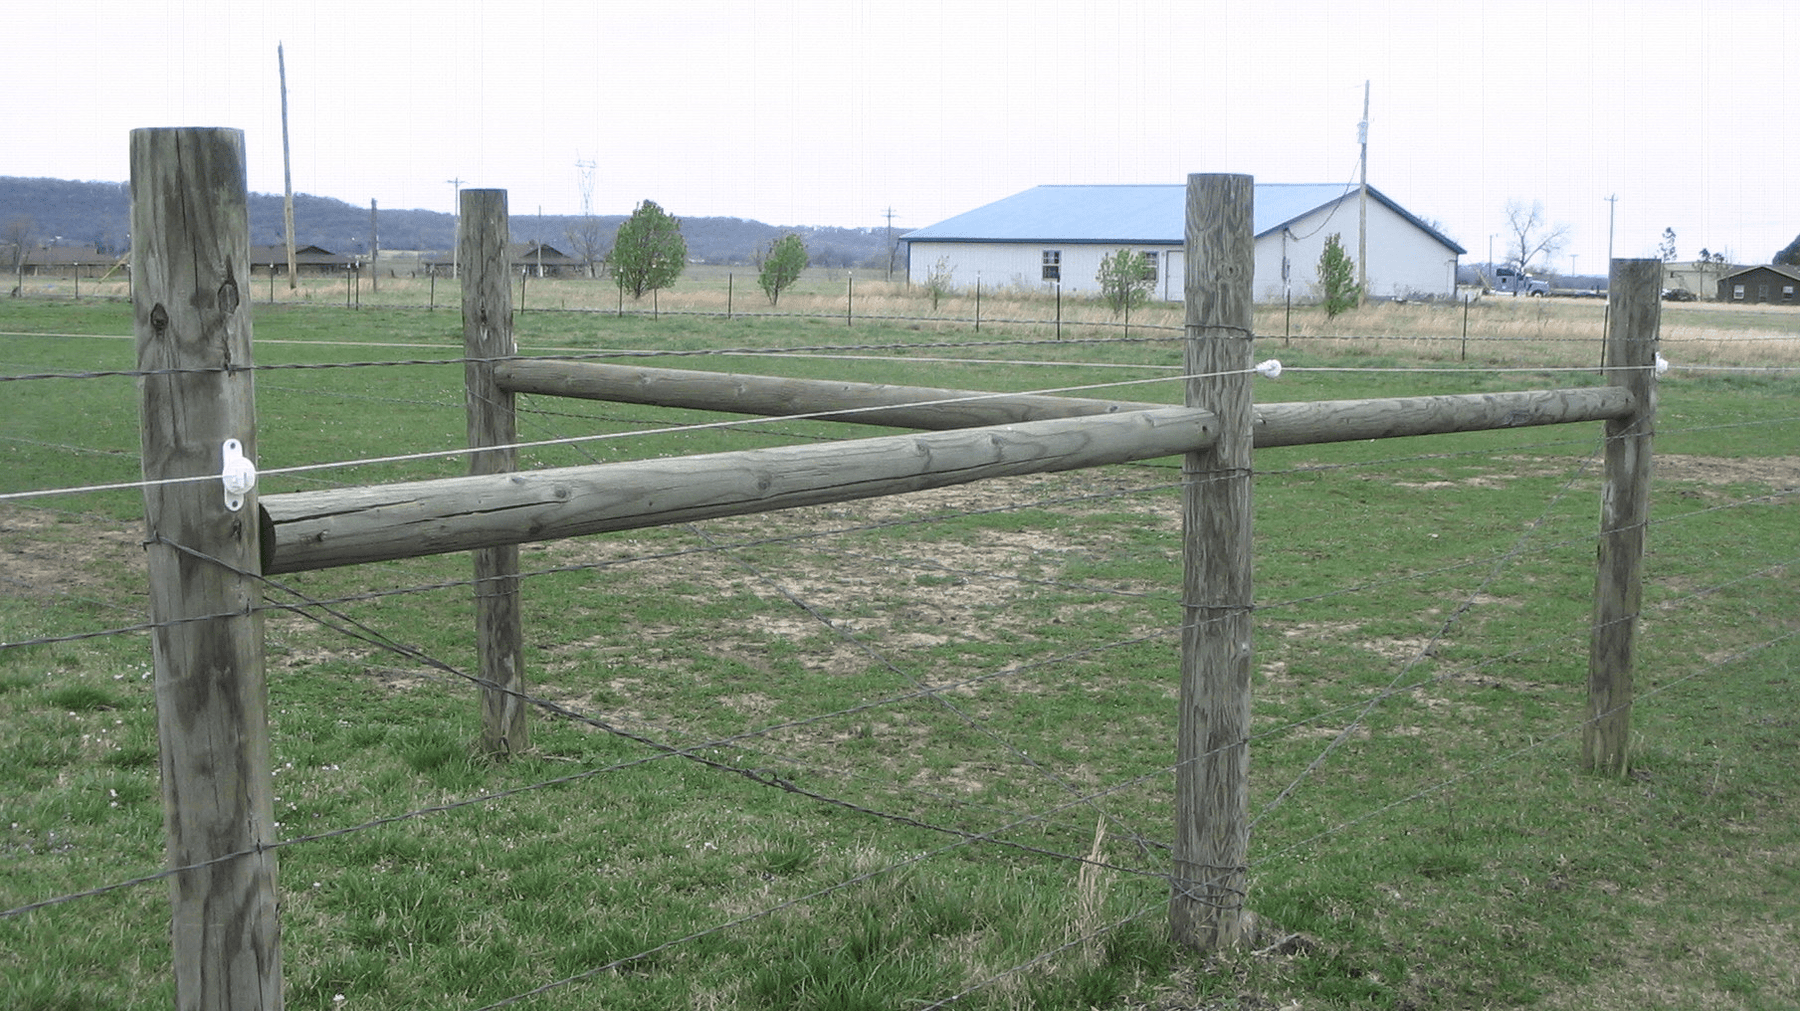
1148	214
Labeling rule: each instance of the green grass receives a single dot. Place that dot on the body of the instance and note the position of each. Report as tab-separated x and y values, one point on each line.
1446	854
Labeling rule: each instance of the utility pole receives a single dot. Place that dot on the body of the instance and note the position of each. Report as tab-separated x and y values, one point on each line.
287	170
890	242
455	246
374	250
1612	211
1362	222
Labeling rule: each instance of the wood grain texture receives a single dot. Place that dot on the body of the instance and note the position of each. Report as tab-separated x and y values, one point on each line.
190	255
1634	320
486	261
1211	858
919	407
935	409
321	529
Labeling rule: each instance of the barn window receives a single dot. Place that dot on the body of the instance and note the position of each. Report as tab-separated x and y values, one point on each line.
1787	293
1052	264
1150	266
1737	291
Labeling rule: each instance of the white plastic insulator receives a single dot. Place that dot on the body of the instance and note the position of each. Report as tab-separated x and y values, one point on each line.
239	475
1662	364
1270	368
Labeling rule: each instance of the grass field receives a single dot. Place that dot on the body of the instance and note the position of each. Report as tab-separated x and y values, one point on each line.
1423	837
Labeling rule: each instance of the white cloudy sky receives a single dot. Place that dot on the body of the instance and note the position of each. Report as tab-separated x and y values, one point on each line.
827	113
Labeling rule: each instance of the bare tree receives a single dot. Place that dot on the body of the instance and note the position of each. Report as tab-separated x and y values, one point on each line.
1531	235
15	240
587	243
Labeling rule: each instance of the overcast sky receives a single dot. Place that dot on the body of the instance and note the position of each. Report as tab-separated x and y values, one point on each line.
830	113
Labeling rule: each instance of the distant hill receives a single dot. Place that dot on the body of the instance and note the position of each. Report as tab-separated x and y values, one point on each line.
99	214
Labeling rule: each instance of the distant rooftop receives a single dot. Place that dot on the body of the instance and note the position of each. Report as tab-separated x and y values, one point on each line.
1147	213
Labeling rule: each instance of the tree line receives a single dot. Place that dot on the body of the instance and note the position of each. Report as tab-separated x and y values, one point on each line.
98	214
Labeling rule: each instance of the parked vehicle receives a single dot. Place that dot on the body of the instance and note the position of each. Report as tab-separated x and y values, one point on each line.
1513	281
1678	295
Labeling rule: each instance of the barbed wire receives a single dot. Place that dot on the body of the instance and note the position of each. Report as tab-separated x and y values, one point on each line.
1336	830
1661	519
1534	745
1468	601
1427	791
836	413
1418	794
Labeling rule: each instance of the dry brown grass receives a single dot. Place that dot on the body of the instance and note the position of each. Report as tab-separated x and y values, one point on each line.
1550	332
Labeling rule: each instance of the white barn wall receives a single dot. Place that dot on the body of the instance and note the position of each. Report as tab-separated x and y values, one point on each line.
1020	265
1404	261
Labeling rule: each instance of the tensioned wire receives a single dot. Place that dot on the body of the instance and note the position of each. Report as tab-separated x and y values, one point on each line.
1420	794
836	413
1426	791
1062	500
722	742
1584	369
888	524
885	661
1468	603
965	837
1771	497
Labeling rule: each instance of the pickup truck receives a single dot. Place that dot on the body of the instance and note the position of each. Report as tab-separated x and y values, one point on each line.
1511	280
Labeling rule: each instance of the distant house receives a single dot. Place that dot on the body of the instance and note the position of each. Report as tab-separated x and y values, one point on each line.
68	261
1051	235
539	258
1775	283
545	260
312	260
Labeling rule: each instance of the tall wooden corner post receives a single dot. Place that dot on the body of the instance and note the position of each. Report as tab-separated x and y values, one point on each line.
1635	316
1212	835
485	256
189	264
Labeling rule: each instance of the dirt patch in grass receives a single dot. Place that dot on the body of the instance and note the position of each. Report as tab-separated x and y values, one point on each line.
47	554
1781	473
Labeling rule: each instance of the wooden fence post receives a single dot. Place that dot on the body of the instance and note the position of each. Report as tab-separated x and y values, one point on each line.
190	259
1212	746
1634	297
486	263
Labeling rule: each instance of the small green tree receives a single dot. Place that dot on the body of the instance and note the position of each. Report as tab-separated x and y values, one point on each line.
938	279
1125	280
781	266
649	253
1337	277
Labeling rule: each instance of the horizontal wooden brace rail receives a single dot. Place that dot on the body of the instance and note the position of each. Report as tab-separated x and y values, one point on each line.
351	526
1291	424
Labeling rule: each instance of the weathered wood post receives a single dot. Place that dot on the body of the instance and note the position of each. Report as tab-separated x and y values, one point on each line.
486	262
190	259
1212	747
1635	315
